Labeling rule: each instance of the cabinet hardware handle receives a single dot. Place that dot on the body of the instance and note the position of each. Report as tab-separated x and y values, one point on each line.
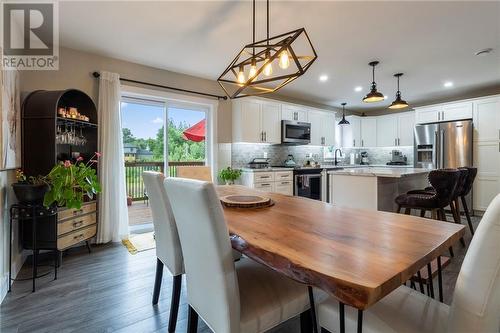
266	184
354	143
78	224
284	176
285	183
362	143
76	212
78	236
265	136
395	142
399	142
264	177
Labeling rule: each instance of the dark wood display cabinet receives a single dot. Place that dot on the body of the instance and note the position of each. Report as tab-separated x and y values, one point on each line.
50	136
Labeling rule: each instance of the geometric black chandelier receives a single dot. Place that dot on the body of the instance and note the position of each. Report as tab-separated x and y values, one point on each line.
265	66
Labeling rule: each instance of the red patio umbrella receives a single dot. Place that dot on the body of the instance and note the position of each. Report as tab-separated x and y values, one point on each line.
196	132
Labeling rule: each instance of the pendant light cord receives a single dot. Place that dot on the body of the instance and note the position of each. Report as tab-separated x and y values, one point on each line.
253	34
267	22
373	74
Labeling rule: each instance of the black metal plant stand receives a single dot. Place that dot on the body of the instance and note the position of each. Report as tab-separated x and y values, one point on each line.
26	212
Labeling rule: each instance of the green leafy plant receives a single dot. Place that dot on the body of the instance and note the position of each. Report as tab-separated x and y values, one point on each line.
229	175
31	180
69	183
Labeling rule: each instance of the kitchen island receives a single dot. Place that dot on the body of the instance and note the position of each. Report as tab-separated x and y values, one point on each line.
373	187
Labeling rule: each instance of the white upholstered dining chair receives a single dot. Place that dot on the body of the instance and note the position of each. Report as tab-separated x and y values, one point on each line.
168	247
476	299
229	296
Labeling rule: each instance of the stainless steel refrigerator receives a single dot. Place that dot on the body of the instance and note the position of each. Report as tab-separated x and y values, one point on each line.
444	145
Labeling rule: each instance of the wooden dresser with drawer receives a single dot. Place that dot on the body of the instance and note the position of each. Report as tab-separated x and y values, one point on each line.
76	225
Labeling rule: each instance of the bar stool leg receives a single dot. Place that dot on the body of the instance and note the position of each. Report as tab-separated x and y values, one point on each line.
408	211
455	209
313	309
440	279
467	215
420	283
342	317
422	213
431	285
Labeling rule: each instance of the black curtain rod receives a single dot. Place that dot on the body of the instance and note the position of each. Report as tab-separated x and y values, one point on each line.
96	75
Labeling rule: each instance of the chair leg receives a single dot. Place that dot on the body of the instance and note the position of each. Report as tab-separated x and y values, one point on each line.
455	209
434	214
159	275
306	322
192	326
398	210
174	303
408	211
313	309
467	214
422	213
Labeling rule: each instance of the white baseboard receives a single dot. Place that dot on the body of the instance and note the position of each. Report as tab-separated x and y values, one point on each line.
17	264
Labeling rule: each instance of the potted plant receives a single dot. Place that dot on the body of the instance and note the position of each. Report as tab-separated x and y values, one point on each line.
229	175
30	190
70	183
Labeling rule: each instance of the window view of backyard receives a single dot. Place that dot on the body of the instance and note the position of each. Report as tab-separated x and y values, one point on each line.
144	125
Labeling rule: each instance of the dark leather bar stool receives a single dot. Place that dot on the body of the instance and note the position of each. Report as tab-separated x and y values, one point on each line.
444	182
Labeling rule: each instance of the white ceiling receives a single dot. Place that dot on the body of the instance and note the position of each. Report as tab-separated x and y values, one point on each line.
431	42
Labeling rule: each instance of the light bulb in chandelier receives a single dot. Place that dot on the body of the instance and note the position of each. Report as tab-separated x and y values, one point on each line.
253	69
241	75
284	62
268	68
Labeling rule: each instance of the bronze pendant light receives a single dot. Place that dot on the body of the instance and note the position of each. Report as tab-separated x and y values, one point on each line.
373	95
252	73
398	102
343	122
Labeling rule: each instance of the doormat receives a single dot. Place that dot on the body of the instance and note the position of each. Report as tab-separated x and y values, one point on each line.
140	242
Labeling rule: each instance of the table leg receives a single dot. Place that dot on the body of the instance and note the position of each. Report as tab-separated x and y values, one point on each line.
35	254
360	321
56	259
342	317
313	309
431	285
440	279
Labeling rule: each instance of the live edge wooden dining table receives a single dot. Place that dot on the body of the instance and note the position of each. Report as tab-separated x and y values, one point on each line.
357	256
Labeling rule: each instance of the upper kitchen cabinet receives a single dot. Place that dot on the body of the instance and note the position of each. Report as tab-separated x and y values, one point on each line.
293	113
322	128
444	112
368	131
387	131
256	121
486	119
406	127
351	134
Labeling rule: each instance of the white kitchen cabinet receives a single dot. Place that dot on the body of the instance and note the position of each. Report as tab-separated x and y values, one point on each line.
406	127
387	131
444	112
271	122
487	183
428	115
351	134
322	128
486	147
456	111
256	121
269	181
368	131
294	113
487	119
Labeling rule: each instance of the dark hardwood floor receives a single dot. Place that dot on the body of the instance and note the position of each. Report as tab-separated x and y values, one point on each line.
110	291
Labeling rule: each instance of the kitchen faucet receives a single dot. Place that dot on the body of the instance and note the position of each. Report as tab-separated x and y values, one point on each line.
340	151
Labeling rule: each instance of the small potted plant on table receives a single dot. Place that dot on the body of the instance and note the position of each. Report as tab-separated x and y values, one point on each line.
30	190
229	175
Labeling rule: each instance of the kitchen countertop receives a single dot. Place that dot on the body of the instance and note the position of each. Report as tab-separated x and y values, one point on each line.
389	172
331	166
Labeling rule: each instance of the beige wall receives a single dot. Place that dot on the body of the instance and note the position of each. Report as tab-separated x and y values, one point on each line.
75	71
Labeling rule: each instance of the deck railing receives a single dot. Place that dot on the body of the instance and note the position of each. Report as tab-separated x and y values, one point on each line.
134	170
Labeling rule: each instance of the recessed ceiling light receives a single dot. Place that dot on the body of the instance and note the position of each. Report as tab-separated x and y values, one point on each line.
358	88
323	78
448	84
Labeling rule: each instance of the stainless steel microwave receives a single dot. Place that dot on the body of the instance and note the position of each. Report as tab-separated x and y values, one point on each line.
295	132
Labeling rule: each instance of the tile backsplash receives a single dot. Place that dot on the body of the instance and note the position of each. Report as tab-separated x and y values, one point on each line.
242	153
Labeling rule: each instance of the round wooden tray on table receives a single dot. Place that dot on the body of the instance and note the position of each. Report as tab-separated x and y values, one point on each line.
246	201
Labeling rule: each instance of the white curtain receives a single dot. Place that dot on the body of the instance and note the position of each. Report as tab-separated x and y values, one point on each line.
113	214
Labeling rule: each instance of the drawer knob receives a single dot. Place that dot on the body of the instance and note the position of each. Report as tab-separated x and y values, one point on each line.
77	224
80	236
78	211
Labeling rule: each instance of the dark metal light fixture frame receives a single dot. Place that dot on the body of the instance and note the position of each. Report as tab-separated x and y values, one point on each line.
261	53
343	121
398	103
373	95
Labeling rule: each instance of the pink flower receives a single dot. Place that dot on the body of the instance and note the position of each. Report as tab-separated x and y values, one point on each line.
67	164
98	154
94	161
79	159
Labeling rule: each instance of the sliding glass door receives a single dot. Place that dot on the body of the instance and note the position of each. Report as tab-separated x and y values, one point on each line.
159	135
